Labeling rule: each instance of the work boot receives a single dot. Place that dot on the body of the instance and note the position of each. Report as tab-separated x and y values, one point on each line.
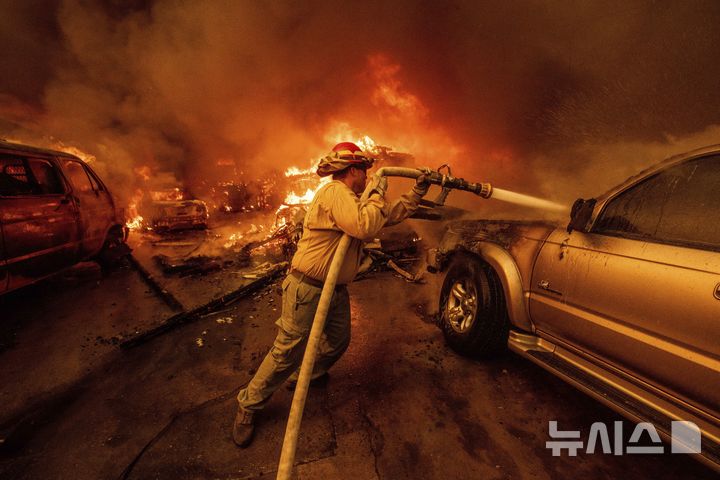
319	382
243	428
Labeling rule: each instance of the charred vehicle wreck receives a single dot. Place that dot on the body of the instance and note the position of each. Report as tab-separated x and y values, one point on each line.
172	208
54	212
623	304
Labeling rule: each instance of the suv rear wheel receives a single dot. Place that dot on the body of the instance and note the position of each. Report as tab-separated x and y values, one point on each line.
472	307
114	249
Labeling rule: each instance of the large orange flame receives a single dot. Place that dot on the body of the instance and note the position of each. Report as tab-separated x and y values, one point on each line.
308	174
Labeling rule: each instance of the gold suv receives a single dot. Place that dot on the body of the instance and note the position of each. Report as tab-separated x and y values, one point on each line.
624	303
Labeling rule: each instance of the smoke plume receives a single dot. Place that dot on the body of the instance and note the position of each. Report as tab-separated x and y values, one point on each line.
546	97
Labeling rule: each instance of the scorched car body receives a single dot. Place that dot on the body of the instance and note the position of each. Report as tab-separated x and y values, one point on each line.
168	209
54	212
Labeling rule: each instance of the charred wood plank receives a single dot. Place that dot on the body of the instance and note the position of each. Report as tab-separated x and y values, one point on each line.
196	313
166	296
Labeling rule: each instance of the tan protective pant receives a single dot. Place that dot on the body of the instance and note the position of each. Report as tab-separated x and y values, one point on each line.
299	302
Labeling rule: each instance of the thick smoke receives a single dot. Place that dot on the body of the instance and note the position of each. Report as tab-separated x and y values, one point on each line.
545	97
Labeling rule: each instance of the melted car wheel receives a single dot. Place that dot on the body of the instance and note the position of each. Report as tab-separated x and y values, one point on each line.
114	250
472	305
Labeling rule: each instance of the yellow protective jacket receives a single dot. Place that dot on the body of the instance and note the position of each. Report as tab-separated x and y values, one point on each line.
336	210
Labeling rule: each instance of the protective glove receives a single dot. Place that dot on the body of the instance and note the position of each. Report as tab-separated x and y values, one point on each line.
421	185
378	184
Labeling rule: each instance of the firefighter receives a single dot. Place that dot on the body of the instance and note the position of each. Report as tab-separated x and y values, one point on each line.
335	210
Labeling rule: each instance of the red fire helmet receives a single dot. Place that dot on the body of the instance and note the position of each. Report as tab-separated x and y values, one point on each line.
347	149
343	155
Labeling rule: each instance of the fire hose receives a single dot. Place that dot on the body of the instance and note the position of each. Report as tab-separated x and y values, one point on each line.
446	181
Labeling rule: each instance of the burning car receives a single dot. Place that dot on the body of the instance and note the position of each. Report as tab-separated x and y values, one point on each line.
245	197
623	303
170	209
54	212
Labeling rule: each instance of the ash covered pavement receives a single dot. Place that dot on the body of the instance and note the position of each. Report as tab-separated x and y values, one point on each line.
399	404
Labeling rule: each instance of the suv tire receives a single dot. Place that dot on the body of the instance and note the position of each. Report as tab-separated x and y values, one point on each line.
473	315
114	249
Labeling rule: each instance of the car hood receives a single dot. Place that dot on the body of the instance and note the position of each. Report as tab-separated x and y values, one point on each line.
522	240
503	232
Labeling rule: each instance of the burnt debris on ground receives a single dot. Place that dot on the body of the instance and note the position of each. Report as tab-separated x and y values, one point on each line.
184	317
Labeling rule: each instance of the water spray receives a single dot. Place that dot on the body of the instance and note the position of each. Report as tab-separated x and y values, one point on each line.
527	200
435	177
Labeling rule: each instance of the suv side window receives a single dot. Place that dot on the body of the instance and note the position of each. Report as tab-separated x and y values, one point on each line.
14	178
97	184
78	176
46	176
678	205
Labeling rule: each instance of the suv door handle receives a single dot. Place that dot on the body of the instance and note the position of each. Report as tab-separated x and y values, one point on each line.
717	291
545	285
63	201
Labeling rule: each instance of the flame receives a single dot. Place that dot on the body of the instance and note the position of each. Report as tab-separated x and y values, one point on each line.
280	219
233	239
135	221
367	144
301	179
309	174
389	90
168	195
296	171
143	171
294	199
85	157
403	118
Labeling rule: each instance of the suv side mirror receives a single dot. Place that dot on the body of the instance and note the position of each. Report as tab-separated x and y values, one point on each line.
580	214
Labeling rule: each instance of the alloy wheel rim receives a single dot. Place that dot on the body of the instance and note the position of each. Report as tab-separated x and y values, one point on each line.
461	307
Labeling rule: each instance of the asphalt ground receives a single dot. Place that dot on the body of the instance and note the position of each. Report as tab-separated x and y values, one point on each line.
399	404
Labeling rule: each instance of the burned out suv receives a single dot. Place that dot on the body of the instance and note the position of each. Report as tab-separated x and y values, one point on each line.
54	212
624	303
